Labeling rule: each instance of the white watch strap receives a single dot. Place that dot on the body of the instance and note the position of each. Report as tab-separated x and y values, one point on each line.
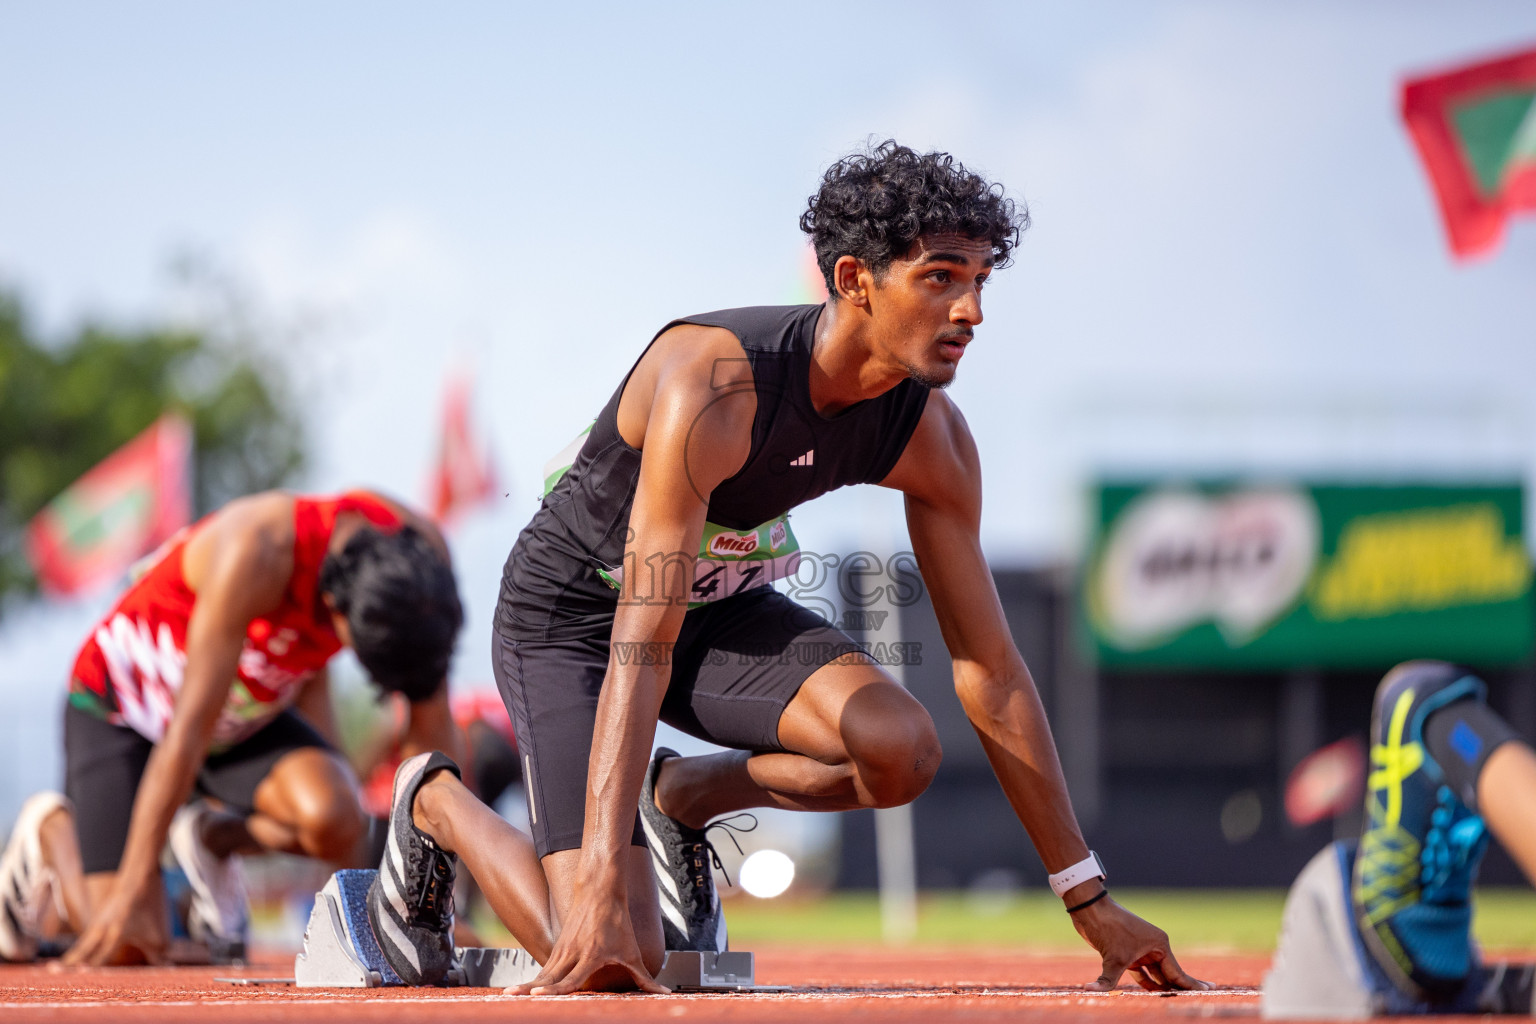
1090	867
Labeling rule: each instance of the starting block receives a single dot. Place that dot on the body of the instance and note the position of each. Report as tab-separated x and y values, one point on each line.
340	951
709	972
1322	970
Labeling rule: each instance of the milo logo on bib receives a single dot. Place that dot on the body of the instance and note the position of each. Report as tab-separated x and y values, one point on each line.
731	545
733	561
730	561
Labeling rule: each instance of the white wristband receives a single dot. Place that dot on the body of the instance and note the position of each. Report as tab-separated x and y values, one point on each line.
1078	873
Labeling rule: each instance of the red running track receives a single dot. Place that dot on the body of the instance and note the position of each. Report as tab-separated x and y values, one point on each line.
828	984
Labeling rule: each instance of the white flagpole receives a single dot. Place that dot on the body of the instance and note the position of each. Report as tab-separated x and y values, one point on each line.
895	847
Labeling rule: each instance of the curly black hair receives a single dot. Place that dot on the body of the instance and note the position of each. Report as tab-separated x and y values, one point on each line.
874	205
402	607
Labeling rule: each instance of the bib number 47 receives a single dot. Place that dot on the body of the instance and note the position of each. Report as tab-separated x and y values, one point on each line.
725	579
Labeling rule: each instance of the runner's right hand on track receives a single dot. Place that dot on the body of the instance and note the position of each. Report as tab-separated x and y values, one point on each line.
129	924
596	951
1127	943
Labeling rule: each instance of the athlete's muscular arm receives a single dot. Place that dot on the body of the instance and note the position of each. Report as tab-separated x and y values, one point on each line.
688	408
238	565
940	473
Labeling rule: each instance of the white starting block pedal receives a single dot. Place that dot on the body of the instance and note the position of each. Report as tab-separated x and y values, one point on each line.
340	951
1322	971
730	971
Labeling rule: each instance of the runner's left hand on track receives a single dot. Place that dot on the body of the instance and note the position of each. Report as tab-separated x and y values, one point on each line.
596	951
1127	943
128	927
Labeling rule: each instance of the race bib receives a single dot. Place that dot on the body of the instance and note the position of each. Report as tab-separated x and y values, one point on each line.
730	561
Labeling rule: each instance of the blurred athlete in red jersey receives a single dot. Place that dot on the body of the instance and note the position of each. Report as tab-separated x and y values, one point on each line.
195	681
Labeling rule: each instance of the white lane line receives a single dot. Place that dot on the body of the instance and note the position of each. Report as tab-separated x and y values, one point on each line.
809	996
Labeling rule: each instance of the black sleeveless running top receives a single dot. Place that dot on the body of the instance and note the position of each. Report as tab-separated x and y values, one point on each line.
551	587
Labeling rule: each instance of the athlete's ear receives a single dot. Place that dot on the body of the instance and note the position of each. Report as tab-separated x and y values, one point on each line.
852	279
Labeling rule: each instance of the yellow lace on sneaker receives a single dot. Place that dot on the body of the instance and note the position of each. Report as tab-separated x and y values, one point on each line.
1389	854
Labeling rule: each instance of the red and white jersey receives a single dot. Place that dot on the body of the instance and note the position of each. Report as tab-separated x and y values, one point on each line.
130	669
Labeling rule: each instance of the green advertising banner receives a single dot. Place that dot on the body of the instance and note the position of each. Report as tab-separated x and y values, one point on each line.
1248	576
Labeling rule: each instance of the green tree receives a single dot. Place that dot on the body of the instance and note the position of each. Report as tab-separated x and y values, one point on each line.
67	404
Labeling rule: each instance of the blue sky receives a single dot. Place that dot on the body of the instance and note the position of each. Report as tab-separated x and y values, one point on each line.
1235	263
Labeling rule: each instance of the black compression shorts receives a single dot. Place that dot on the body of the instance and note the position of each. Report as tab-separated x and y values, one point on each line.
103	764
736	666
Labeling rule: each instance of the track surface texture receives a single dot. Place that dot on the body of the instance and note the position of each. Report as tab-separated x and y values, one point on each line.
882	986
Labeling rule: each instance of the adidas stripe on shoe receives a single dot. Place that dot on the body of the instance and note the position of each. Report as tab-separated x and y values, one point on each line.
410	903
691	918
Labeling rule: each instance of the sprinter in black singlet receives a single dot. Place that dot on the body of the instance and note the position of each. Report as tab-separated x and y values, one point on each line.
643	578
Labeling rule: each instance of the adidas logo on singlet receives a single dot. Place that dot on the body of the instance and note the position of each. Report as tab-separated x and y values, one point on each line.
808	459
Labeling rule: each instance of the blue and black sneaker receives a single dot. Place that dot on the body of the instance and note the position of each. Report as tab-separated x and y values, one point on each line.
1421	847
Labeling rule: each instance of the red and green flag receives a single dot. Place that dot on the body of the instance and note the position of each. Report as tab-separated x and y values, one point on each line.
1475	128
119	511
463	475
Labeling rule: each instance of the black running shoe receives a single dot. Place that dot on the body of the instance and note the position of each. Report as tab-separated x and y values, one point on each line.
691	918
410	903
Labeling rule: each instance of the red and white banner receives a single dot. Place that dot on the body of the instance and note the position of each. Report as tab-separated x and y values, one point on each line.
119	511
